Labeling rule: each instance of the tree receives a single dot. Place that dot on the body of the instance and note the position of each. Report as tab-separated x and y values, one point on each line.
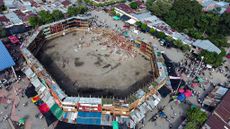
190	125
225	24
82	9
159	7
144	27
161	35
72	11
213	58
195	118
196	115
183	14
134	5
45	17
219	41
2	8
152	31
113	12
34	21
169	39
138	23
206	20
185	48
178	43
57	15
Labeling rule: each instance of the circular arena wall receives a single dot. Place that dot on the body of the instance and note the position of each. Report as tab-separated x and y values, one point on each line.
78	109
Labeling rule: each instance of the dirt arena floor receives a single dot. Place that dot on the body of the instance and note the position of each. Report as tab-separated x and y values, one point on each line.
88	63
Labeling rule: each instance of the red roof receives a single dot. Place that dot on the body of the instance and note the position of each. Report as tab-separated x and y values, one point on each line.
228	56
3	19
13	39
227	10
44	108
20	13
125	8
66	3
33	3
216	123
221	115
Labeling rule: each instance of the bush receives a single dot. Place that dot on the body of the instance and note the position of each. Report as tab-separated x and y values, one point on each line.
213	58
161	35
152	31
195	118
133	5
138	23
144	27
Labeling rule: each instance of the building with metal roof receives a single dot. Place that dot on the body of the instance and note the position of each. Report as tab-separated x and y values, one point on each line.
14	18
206	45
219	119
5	58
154	22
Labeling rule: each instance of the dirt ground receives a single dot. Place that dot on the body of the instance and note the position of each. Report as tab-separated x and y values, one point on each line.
90	60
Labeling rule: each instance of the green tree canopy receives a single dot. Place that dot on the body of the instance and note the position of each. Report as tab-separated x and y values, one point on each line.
72	11
196	115
159	7
178	43
82	9
138	23
169	39
144	26
134	5
34	21
225	24
57	15
113	12
161	35
213	58
152	31
45	17
190	125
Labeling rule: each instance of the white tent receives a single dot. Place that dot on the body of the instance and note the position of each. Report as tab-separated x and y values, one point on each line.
131	21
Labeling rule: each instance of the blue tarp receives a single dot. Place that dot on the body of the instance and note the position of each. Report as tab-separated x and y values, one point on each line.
89	118
6	60
89	114
89	121
181	97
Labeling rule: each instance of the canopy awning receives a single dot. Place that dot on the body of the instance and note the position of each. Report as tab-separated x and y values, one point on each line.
21	121
57	111
35	98
115	125
116	17
131	21
44	108
6	61
13	39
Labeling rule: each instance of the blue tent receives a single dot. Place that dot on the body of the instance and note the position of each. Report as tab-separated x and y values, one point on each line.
181	97
89	118
6	60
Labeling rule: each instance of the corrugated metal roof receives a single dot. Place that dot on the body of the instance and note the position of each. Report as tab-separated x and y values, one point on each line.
14	18
91	118
6	60
206	45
